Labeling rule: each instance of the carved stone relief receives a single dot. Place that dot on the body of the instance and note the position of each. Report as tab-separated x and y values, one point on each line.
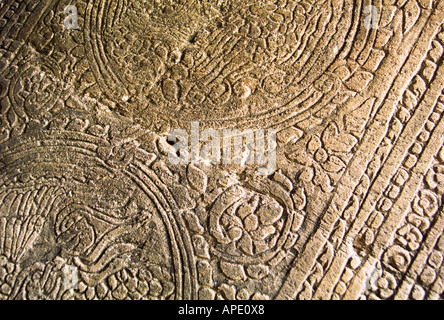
92	207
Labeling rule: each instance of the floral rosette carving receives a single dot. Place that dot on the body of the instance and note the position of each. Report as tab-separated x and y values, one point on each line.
35	92
252	224
323	157
249	228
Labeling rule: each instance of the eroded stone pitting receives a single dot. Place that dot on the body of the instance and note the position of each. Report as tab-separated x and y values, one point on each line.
92	208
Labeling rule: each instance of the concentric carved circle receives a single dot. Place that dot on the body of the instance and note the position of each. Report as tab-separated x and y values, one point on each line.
106	215
354	89
236	63
34	92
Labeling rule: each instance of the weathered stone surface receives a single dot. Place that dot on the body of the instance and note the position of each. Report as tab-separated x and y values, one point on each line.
92	207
